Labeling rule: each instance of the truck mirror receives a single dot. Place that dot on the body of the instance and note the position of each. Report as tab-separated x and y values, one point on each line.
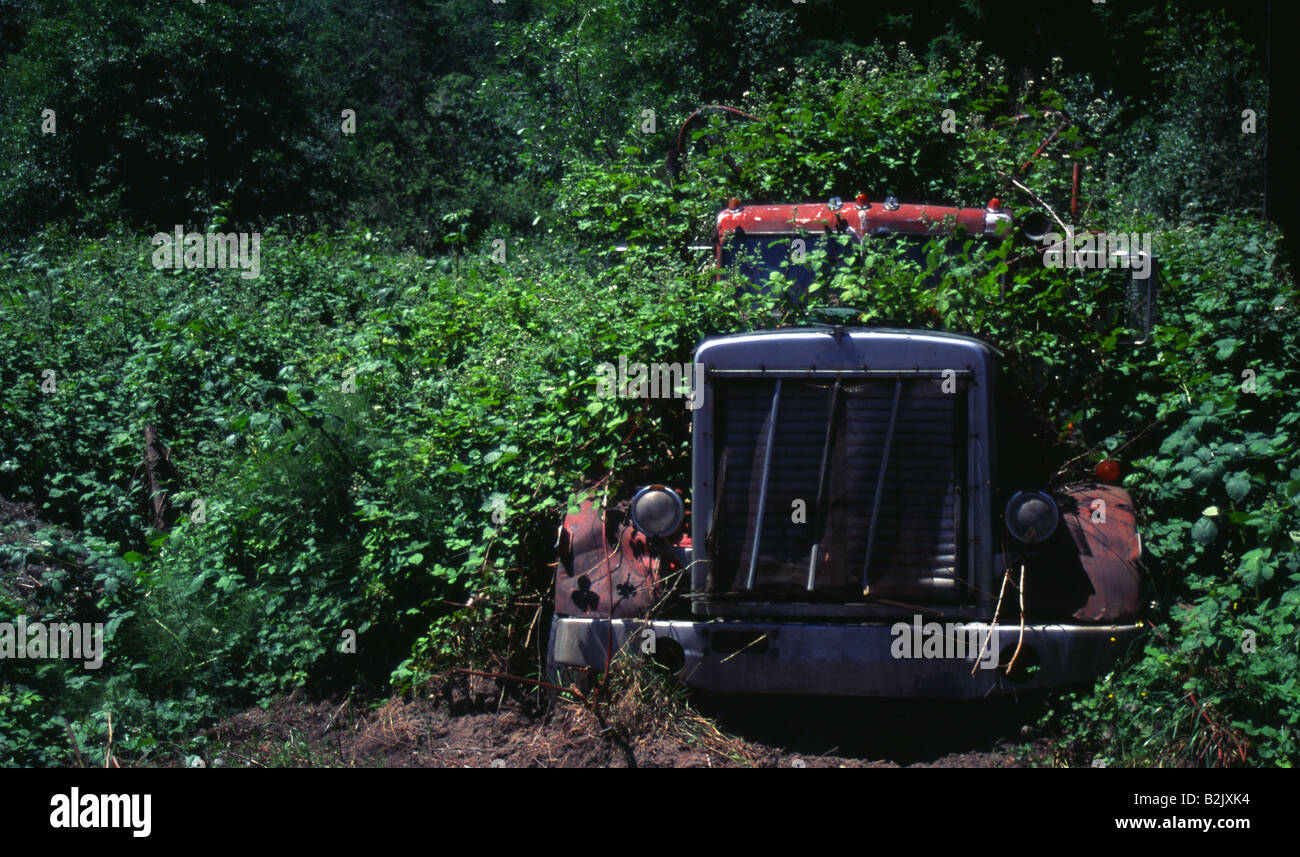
1140	298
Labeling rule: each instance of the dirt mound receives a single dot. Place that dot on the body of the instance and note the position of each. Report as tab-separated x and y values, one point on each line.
425	734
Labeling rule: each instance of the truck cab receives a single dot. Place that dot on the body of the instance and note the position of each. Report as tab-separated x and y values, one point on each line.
844	531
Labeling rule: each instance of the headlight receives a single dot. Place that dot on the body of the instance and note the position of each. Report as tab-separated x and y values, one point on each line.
1032	516
1034	227
657	511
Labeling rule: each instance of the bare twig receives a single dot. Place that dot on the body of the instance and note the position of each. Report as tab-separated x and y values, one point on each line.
996	611
507	677
336	713
1036	198
746	646
108	751
1087	452
1021	641
528	638
72	739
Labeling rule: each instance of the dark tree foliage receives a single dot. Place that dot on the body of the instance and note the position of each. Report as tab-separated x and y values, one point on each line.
468	112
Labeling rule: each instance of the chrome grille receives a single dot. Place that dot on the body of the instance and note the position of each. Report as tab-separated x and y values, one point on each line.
834	482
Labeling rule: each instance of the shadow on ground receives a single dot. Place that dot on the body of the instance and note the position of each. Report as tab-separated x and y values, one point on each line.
906	732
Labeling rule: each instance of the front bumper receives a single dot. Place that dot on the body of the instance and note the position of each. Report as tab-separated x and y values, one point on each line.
848	660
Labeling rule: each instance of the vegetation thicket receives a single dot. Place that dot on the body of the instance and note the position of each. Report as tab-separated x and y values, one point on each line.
376	437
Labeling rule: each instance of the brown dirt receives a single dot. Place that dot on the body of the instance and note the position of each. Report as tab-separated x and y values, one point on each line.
485	728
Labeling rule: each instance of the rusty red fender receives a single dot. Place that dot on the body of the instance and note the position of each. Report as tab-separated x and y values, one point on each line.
605	574
1091	569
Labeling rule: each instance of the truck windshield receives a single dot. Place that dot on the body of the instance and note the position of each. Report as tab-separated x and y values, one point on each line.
799	264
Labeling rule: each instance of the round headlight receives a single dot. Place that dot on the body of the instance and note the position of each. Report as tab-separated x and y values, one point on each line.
1032	516
1034	226
657	511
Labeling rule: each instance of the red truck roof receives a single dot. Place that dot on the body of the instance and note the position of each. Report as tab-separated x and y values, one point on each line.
859	218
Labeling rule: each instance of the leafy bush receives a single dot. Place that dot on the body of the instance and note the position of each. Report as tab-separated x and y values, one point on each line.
1219	479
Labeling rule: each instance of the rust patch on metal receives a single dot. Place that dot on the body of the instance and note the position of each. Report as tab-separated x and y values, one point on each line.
606	569
1090	569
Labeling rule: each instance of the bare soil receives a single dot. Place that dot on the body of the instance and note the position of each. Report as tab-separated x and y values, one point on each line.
487	727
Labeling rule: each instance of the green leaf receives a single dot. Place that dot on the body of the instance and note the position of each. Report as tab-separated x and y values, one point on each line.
1226	348
1238	485
1253	566
1204	531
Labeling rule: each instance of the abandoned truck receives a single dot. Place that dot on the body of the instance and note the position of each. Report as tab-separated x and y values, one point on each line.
844	532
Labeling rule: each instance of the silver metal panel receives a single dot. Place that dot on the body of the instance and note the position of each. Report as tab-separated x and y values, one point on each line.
840	660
